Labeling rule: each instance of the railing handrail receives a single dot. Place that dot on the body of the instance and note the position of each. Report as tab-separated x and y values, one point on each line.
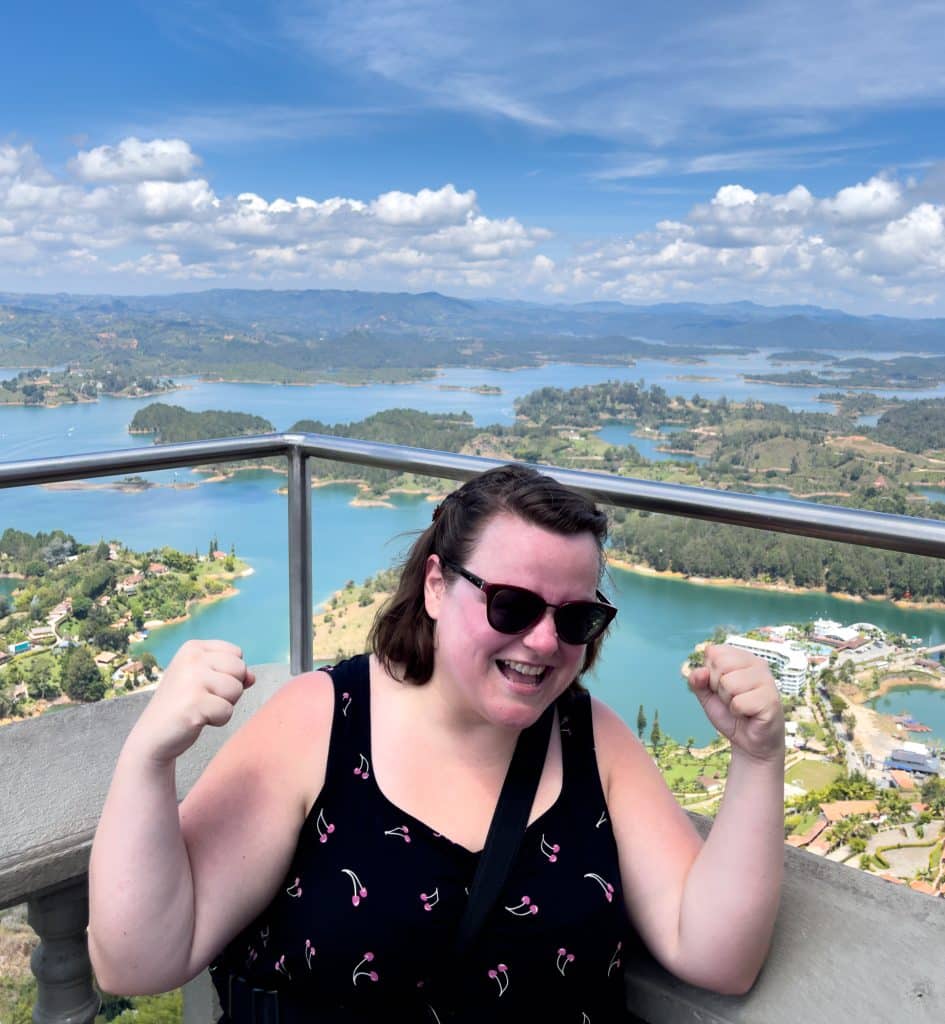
909	534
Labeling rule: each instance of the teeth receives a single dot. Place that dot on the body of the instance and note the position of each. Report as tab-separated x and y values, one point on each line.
526	670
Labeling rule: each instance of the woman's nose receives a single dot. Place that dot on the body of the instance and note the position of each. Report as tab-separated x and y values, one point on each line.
543	637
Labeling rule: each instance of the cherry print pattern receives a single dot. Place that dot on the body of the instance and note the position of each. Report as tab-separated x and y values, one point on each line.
567	958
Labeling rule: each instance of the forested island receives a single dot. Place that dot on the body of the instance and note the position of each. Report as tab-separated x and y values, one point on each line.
908	372
66	630
171	424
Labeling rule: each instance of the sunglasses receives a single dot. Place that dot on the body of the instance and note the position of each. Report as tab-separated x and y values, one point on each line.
513	610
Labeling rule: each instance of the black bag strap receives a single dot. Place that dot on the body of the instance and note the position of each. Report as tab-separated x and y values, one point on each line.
507	827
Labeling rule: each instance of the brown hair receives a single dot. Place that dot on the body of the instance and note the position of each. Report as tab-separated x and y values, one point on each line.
402	634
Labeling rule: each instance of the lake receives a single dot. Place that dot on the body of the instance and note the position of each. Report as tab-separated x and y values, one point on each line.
660	620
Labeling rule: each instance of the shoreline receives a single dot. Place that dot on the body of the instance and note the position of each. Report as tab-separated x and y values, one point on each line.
896	683
642	569
231	591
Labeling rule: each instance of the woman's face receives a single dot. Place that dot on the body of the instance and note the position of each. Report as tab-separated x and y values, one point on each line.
509	680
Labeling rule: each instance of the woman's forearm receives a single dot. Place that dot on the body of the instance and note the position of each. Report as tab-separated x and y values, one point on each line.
732	892
141	905
141	883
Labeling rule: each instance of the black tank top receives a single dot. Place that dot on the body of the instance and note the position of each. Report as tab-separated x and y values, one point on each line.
363	925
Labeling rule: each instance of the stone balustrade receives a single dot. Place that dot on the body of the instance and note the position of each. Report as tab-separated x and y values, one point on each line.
848	947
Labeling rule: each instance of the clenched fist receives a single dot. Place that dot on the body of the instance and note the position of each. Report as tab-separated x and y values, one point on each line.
739	696
200	687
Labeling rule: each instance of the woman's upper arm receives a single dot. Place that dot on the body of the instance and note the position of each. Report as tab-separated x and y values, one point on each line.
656	841
242	818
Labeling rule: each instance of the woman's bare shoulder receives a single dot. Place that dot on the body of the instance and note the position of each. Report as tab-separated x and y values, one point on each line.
293	727
612	736
287	738
624	762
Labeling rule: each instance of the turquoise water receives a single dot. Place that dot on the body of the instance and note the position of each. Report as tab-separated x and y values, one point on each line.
30	432
648	446
932	493
660	619
923	703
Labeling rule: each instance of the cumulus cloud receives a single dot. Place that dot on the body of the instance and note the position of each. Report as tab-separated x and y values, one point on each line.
136	210
135	160
876	199
873	244
444	206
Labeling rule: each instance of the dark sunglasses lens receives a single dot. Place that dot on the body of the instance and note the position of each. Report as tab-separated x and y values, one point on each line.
580	622
512	610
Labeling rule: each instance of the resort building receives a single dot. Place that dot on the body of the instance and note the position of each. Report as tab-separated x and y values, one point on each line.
788	660
907	761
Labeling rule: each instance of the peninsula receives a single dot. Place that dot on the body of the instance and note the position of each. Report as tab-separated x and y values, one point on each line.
66	629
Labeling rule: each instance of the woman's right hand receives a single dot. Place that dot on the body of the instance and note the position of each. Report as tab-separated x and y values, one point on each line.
200	687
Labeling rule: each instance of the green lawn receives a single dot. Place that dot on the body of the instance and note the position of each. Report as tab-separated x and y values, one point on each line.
812	775
685	768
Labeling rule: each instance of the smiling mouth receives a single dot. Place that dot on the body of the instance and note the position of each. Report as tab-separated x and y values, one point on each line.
522	673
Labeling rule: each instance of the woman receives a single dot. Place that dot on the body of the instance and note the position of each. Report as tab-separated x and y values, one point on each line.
328	848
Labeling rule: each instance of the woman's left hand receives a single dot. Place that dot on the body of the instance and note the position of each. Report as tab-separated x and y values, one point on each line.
739	696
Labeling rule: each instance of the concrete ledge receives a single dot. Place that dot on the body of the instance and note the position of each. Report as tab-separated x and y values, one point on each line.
847	947
55	772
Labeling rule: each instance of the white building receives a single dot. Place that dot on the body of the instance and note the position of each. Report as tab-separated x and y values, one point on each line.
829	630
787	659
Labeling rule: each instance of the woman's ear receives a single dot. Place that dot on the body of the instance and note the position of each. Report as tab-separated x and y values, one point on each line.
434	586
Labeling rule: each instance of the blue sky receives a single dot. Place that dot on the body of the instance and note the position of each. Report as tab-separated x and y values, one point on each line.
560	152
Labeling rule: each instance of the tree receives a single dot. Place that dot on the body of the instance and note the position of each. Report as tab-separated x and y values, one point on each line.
933	794
895	806
148	663
641	722
656	734
81	678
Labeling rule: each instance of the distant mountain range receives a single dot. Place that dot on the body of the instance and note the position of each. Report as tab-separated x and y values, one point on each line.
310	316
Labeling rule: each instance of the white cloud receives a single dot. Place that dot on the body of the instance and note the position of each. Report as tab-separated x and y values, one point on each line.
170	229
171	200
878	244
730	196
877	199
444	206
868	246
134	160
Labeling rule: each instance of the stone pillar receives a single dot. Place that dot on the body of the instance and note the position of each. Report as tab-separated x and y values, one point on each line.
60	917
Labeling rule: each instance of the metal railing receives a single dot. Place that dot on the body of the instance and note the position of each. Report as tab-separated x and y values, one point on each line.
43	861
827	522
